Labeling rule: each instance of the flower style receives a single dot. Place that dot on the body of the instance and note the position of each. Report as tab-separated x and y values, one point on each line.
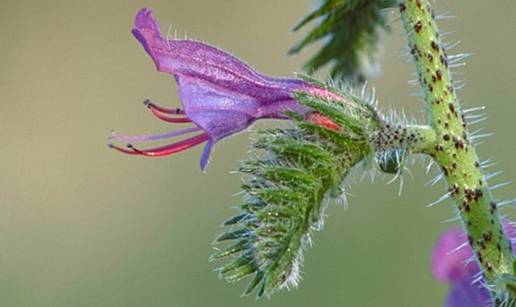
453	262
220	94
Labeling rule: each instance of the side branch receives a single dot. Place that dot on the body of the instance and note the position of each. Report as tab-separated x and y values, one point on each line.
411	138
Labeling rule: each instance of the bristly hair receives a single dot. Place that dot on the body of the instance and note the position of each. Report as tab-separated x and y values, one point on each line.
286	192
350	30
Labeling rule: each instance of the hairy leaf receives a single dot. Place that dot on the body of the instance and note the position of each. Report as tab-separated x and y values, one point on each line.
350	32
285	193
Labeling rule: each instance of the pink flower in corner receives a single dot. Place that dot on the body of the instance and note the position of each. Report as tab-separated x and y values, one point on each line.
453	262
220	94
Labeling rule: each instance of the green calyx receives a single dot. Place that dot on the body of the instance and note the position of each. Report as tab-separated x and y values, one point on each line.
505	290
286	191
285	196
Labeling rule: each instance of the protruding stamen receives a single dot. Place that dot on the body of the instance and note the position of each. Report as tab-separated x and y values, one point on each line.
169	119
124	150
151	137
149	104
168	149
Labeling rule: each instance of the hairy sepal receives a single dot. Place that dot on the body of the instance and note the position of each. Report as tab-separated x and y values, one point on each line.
286	192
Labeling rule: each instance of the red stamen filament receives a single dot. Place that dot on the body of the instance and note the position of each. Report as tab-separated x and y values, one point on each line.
151	105
164	150
170	119
124	150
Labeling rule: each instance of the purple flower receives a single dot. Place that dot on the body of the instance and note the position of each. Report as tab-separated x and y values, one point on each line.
220	94
453	262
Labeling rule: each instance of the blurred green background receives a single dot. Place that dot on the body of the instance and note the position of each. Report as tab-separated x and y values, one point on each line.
81	225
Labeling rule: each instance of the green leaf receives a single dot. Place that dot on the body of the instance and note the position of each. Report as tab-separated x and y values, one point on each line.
285	190
351	30
283	203
235	219
232	235
229	250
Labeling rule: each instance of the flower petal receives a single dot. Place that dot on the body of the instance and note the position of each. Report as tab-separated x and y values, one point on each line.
206	154
449	256
199	60
217	111
465	294
220	94
449	259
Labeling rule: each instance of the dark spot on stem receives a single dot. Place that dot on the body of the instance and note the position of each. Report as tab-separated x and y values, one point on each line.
418	26
438	74
434	46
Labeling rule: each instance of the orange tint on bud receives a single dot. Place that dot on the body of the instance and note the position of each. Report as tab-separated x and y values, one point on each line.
323	121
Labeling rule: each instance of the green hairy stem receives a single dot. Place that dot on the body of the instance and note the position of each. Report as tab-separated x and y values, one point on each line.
412	138
453	150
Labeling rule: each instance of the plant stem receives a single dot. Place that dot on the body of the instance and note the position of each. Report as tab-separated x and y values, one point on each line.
453	151
412	138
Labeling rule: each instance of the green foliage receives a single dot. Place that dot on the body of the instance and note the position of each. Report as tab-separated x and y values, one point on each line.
286	192
350	30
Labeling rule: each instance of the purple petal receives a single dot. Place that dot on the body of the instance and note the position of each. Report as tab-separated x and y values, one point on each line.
449	265
220	93
452	250
206	154
199	60
465	294
217	111
449	257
